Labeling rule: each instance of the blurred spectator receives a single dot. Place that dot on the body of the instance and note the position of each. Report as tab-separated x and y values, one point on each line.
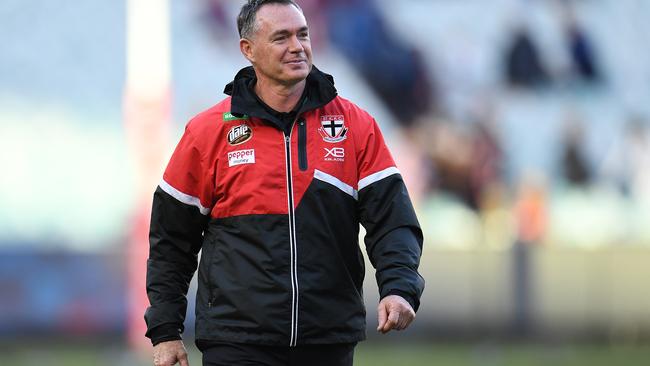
392	67
450	152
216	18
628	163
523	66
466	160
582	56
531	215
486	169
584	65
576	169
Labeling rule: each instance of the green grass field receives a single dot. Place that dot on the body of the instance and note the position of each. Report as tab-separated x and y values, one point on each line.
368	354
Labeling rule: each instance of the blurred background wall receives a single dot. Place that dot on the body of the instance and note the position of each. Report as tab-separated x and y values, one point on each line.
521	127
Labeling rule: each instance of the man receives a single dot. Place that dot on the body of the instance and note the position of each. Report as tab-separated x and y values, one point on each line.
272	184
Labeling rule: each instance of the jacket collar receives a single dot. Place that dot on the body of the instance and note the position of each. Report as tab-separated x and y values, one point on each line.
319	90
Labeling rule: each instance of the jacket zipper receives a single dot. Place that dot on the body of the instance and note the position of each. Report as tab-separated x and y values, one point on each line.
292	241
302	145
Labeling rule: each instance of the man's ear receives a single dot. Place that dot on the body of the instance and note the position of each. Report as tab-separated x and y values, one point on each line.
246	48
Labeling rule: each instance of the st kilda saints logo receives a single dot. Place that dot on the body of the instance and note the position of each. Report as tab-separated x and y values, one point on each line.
333	129
239	134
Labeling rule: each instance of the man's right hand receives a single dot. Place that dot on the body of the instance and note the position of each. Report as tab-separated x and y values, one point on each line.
169	353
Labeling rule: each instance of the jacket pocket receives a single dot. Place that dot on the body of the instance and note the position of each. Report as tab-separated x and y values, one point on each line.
302	145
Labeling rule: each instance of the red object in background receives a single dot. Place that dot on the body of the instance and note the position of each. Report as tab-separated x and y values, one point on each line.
147	124
138	252
531	214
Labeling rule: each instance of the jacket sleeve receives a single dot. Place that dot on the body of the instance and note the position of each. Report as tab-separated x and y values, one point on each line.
179	215
393	236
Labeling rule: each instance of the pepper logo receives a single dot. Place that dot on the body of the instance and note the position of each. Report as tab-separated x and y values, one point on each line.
241	157
333	129
239	134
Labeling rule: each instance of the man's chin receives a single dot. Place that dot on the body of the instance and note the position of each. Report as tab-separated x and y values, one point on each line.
296	76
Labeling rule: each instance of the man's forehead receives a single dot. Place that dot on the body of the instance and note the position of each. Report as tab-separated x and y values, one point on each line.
276	17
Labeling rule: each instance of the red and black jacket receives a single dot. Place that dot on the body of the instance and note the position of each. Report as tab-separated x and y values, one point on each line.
275	209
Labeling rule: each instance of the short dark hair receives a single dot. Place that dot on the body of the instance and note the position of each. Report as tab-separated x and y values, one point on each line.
246	17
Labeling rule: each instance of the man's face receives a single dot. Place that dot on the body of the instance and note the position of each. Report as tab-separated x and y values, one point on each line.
280	48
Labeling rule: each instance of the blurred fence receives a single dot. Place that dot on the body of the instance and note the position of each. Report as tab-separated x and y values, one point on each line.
570	293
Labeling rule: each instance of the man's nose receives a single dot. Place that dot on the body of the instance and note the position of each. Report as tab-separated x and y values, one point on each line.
295	45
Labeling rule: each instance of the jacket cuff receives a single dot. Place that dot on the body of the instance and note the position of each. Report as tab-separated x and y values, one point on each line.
413	301
163	333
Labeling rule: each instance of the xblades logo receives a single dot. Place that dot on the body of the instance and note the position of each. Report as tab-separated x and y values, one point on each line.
334	154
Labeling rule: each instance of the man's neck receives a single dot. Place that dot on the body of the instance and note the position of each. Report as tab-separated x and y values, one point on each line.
282	98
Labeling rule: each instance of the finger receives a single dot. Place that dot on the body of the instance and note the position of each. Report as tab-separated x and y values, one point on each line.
393	319
403	322
411	318
405	319
381	316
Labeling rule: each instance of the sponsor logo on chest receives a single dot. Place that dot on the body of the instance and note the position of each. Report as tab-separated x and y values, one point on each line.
333	128
231	117
240	157
239	134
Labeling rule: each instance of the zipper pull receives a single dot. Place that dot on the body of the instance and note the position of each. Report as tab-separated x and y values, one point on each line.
287	139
